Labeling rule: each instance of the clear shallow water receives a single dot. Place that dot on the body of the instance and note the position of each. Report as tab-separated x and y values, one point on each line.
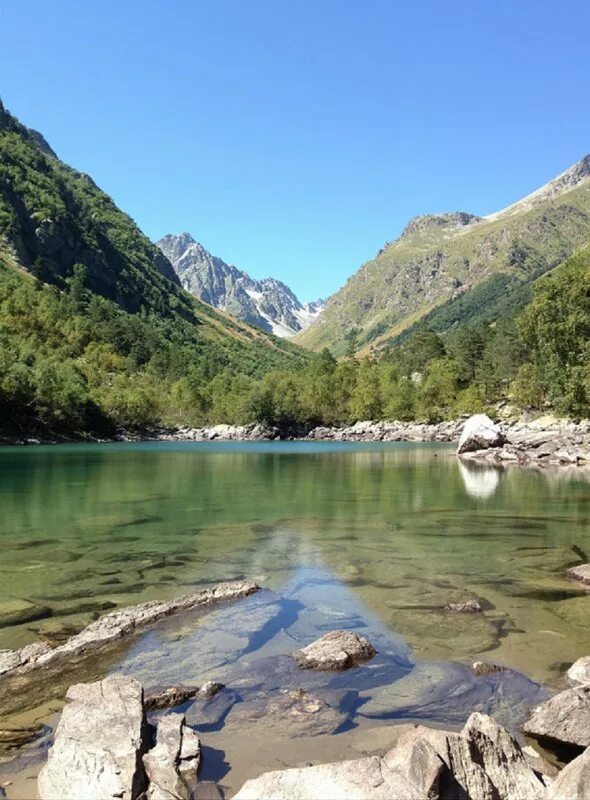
372	537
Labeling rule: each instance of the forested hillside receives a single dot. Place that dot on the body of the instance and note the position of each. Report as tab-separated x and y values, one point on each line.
95	330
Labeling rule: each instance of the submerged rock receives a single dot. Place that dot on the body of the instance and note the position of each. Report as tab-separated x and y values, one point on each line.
335	651
480	433
484	762
117	624
99	743
171	766
295	712
579	672
564	719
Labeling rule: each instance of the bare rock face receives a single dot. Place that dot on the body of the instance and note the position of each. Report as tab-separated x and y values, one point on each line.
482	763
99	743
580	573
480	433
564	718
334	651
579	672
573	782
171	766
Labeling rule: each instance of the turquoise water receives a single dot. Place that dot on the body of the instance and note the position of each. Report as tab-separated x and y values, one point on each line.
375	537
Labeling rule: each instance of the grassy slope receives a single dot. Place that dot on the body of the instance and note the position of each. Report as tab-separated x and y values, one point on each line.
413	275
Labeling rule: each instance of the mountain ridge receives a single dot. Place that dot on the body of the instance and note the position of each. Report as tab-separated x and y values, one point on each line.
441	257
266	303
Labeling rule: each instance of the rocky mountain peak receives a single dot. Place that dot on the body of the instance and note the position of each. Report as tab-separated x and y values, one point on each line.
267	303
454	219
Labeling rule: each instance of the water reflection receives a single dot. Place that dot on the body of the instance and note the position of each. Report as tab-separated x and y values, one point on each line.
481	480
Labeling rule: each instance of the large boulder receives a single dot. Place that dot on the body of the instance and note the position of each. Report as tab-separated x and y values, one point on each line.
480	433
564	719
99	744
171	766
573	782
335	651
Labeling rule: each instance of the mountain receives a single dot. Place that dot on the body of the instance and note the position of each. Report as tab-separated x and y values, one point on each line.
268	304
95	328
448	269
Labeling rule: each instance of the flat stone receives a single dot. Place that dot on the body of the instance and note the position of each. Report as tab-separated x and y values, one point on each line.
579	672
336	650
564	719
292	713
99	743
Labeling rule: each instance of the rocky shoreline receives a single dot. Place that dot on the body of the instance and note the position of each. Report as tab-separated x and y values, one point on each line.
544	441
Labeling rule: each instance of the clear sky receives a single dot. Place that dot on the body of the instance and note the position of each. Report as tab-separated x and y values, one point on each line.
294	137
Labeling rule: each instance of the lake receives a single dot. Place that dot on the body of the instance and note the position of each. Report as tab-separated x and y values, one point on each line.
372	537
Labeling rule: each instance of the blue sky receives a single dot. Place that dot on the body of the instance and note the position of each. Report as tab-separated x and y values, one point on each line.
294	138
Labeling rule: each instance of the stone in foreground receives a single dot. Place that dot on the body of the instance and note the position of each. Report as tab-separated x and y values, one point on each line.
335	651
171	766
480	433
573	782
482	763
579	672
564	719
580	573
99	743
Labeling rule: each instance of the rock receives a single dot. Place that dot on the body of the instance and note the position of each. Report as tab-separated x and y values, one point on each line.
580	573
573	782
480	668
542	768
116	625
334	651
368	778
292	713
468	607
99	743
16	737
209	689
502	759
579	672
564	719
157	699
16	611
482	763
171	766
480	433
